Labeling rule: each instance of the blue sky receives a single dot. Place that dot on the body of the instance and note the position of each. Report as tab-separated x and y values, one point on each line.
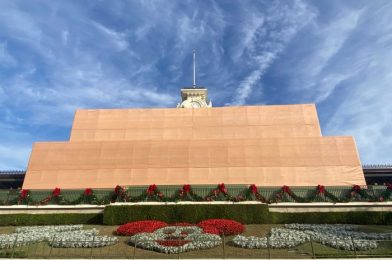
57	56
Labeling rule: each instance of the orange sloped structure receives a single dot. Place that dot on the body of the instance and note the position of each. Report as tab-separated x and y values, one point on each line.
262	145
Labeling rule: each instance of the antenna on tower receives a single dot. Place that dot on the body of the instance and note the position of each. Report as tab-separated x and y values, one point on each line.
194	68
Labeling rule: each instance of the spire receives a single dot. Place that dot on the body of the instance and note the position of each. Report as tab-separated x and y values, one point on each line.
194	68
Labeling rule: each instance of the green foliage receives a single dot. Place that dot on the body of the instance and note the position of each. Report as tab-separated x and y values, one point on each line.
49	219
251	214
364	218
234	193
244	213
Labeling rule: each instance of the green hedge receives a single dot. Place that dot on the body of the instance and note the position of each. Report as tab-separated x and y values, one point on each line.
247	214
49	219
363	218
244	213
114	215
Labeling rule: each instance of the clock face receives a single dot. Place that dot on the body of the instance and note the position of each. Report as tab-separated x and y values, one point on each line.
195	105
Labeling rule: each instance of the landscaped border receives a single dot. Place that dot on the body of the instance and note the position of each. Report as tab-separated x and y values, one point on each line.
221	192
243	213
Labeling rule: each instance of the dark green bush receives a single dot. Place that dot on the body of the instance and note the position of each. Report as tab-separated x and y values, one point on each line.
247	214
252	214
49	219
244	213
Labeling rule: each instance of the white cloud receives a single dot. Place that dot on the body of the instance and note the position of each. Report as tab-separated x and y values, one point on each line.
365	111
64	37
311	69
14	157
266	38
118	39
6	59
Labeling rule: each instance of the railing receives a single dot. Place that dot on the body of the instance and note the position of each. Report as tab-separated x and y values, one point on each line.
233	193
226	249
377	166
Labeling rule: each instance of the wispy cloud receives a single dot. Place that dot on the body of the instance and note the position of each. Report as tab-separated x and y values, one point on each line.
346	73
6	59
263	42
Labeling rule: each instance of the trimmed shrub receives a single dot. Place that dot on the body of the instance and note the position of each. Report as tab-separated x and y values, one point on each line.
182	224
49	219
243	213
224	226
146	226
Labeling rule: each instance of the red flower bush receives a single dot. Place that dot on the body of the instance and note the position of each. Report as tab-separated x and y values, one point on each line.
24	193
152	189
147	226
356	188
88	192
253	189
320	189
222	188
286	189
118	190
186	188
389	186
224	226
56	192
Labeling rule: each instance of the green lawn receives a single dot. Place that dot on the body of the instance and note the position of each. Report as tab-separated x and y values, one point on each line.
123	250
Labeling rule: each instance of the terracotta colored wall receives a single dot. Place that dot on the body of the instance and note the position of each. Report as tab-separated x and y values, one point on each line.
266	162
264	145
206	123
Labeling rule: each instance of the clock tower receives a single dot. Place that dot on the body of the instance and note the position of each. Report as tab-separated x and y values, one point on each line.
194	97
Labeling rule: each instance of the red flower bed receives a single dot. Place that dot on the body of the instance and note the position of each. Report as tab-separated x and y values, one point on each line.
210	230
224	226
173	241
147	226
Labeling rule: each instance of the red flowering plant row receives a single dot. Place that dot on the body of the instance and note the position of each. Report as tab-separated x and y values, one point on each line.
186	193
56	197
212	226
143	226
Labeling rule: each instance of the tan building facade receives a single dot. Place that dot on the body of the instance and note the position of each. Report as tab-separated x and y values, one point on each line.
262	145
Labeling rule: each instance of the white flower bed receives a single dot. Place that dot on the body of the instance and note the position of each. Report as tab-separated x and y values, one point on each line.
56	236
193	237
344	237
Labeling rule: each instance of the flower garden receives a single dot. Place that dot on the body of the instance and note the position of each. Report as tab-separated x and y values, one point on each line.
221	192
210	238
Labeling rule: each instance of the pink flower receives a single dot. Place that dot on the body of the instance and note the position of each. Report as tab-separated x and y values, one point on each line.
389	186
